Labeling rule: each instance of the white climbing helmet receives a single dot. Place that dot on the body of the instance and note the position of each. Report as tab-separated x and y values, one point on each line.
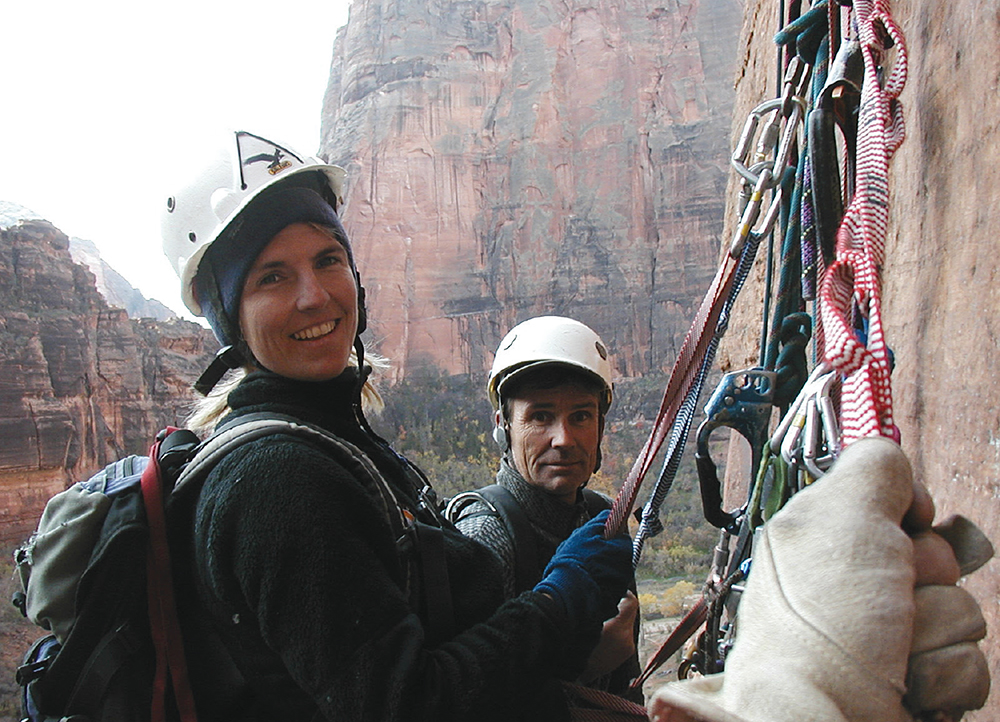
246	165
546	340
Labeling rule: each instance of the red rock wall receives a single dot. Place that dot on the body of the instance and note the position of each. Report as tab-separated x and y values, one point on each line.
941	298
508	159
81	384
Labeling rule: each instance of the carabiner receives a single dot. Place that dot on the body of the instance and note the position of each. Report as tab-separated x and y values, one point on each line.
778	133
822	431
742	401
810	425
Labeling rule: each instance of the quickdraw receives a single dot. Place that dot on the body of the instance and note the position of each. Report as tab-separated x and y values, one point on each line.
836	107
784	117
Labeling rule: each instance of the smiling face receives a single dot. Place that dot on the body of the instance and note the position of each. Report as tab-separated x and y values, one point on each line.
299	307
554	435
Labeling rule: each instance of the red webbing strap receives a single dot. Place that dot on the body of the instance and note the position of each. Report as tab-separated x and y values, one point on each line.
680	634
852	283
163	624
682	377
593	705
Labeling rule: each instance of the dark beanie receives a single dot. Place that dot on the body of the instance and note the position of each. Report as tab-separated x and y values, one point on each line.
223	270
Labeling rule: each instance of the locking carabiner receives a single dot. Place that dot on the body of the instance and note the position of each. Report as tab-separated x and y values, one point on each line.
742	401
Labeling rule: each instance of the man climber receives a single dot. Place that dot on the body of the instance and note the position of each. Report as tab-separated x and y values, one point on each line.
550	386
832	628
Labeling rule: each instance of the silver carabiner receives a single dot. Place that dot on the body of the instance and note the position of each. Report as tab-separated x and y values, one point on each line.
768	138
810	426
824	432
784	116
792	416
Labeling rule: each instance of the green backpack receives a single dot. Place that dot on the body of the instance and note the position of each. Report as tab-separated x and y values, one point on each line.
97	575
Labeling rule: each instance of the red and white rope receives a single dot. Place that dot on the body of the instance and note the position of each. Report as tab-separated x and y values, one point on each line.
852	283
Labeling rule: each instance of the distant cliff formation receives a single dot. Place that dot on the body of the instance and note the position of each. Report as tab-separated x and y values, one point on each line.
115	289
508	159
81	383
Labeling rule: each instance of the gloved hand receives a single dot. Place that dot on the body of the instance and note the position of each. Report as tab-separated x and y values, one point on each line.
830	616
589	574
947	671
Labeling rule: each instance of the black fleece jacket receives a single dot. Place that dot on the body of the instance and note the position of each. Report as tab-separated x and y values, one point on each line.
297	578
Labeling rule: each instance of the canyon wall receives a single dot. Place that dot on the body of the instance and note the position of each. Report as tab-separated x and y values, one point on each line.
509	159
81	384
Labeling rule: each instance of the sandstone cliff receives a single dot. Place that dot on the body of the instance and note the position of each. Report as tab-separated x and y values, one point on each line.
80	383
508	159
115	289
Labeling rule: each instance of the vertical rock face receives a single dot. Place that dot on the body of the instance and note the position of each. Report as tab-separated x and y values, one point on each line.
508	159
80	383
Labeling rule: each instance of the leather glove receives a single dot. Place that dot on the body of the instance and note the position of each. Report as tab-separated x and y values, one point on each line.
830	616
589	574
947	672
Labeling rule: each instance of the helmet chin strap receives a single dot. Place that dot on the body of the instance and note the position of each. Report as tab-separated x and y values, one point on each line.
362	308
363	373
501	431
228	357
600	438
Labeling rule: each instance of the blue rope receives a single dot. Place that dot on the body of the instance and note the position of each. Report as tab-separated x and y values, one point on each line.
810	35
649	522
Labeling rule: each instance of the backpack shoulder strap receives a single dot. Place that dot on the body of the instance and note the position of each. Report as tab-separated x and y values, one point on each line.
254	426
522	536
164	625
432	568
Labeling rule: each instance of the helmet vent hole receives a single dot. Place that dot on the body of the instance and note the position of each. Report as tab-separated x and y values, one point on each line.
171	204
192	237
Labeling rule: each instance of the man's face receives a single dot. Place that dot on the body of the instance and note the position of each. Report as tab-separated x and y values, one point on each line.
554	437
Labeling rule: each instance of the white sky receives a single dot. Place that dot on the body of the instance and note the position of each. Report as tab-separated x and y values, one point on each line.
101	101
